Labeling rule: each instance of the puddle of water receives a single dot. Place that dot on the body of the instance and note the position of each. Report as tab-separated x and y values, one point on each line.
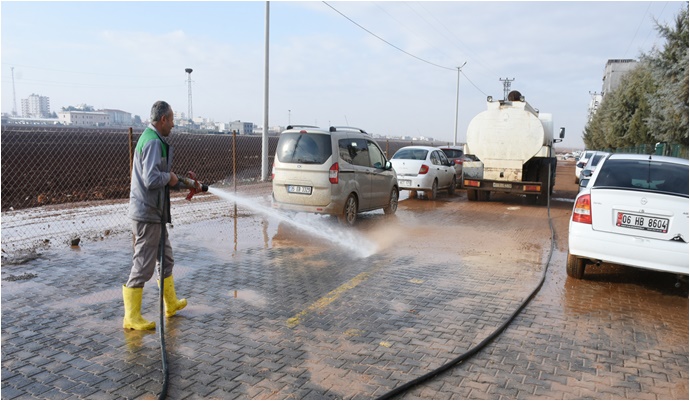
249	296
332	233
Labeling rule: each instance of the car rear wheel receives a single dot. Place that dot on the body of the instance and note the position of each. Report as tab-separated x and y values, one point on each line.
451	189
349	215
434	191
575	267
392	203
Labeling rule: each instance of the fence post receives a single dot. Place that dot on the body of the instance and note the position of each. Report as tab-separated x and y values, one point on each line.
234	161
234	179
131	152
131	165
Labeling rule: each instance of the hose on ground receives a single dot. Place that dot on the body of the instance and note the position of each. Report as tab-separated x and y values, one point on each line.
407	386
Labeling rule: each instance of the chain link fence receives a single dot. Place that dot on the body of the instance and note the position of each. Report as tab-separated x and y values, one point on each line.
60	183
660	149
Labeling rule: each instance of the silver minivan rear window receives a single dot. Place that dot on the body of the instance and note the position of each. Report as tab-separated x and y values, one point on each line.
305	148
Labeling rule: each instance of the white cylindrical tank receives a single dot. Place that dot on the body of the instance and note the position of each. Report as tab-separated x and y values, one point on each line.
508	131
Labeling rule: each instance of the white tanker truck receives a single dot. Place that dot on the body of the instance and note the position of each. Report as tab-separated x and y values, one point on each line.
514	145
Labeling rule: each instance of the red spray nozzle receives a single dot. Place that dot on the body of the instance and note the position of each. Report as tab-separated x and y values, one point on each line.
194	186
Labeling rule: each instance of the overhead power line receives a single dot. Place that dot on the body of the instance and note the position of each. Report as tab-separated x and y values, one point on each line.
387	42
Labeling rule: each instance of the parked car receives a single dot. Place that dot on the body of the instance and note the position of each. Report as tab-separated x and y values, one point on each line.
634	213
424	168
590	167
584	157
341	171
457	155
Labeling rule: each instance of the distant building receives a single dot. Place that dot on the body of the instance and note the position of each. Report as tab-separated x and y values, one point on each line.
118	117
36	106
85	118
242	128
614	72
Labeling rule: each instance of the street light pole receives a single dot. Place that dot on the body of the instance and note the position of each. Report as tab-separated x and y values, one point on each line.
264	135
457	106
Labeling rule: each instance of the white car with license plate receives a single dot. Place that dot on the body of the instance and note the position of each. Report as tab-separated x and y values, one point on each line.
425	169
634	212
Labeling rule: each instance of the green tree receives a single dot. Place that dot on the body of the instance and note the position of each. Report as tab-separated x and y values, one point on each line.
668	118
651	104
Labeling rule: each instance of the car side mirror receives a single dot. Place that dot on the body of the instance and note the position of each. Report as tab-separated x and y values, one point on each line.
587	173
388	165
583	183
452	163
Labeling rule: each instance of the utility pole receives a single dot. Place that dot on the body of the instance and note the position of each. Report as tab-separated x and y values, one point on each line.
264	135
14	96
189	99
506	86
457	106
594	104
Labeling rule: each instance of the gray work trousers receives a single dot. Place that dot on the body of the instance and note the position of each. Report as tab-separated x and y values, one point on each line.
145	259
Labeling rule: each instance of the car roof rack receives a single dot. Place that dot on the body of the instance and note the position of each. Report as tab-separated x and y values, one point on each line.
345	128
300	126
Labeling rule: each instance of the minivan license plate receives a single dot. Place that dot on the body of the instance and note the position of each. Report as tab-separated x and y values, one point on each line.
299	189
640	222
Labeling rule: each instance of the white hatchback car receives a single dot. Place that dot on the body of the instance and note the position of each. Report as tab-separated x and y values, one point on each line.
634	213
424	168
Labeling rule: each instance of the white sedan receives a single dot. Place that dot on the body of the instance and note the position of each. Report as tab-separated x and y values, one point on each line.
424	168
634	213
581	164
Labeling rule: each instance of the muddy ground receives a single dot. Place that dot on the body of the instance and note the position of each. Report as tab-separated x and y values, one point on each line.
275	313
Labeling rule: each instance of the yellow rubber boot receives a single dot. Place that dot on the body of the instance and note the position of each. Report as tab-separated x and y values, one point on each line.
133	319
172	304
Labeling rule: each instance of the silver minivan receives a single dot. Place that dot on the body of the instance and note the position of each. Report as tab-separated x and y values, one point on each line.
341	172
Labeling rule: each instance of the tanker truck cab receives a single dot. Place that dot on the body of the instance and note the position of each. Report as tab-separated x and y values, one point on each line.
513	142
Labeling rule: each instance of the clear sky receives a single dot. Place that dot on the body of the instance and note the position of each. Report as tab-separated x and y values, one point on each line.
325	69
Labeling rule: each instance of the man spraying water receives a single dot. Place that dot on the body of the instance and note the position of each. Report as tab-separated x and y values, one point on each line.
149	209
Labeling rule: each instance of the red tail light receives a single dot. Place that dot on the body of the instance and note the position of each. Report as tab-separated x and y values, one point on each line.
458	161
273	173
424	169
582	213
333	173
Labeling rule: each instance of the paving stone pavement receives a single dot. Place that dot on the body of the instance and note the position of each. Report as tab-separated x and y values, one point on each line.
276	314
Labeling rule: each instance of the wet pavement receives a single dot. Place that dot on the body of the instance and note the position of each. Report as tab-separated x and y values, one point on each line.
277	314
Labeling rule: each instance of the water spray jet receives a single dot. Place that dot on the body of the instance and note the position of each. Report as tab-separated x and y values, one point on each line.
337	235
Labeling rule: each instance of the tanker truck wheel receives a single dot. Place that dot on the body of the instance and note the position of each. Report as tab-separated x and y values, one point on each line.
542	199
472	194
